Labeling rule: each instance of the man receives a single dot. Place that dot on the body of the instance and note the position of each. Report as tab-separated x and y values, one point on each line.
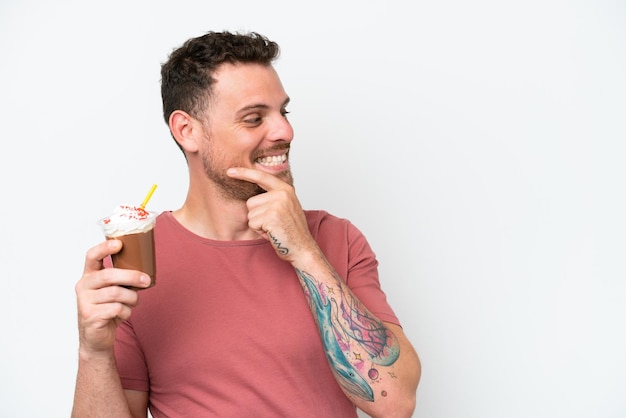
261	309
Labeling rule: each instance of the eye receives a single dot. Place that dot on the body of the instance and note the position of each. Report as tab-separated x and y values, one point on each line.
284	112
253	119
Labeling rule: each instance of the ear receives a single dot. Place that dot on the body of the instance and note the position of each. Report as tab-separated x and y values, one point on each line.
185	130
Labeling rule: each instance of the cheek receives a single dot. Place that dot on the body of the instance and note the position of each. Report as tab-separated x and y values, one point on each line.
238	147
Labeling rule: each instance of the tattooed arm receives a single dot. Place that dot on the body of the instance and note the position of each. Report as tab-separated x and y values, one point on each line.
373	362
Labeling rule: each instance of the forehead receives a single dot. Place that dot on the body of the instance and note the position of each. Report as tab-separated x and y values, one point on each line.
239	85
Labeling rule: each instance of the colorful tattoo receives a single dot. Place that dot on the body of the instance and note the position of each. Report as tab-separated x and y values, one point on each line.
347	324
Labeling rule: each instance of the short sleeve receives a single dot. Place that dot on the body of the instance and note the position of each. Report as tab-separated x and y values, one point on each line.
131	363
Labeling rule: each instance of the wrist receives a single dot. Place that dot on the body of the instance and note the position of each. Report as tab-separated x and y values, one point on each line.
91	355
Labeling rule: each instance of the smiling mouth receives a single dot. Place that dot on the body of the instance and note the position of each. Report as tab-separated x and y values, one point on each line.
272	160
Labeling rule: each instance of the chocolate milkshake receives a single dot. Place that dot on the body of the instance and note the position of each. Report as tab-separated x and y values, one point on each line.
133	226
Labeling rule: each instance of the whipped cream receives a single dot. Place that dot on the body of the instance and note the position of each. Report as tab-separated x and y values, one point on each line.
127	219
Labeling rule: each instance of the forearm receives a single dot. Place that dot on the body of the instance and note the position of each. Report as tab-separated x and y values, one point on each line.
377	370
98	390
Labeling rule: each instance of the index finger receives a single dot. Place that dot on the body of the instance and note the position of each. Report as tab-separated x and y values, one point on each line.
95	255
267	181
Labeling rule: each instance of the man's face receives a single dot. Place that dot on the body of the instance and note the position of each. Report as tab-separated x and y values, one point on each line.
246	127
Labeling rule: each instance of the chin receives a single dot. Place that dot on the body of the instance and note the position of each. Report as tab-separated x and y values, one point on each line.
285	176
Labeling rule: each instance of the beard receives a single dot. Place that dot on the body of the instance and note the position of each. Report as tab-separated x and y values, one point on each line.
235	189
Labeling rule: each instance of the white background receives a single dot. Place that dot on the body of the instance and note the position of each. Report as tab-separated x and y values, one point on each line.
479	145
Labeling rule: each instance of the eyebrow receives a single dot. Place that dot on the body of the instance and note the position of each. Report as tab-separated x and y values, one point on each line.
259	106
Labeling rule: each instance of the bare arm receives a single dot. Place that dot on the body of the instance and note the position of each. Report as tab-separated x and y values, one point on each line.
373	362
98	390
102	304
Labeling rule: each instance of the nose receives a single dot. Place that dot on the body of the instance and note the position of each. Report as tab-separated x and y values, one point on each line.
280	129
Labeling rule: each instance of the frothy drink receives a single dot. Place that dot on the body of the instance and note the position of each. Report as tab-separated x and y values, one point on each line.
133	226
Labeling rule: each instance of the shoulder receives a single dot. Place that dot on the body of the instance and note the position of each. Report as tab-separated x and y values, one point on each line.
325	226
321	222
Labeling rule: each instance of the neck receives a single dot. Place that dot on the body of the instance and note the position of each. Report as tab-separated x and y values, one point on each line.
211	216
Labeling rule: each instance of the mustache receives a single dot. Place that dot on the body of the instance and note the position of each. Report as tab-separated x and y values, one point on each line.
274	148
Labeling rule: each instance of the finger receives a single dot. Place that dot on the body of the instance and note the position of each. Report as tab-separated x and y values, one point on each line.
114	277
95	255
97	317
115	294
121	277
120	312
267	181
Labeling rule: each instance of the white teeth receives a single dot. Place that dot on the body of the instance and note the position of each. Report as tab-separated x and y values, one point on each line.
273	160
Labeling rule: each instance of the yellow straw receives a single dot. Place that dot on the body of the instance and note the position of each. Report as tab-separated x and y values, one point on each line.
148	196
